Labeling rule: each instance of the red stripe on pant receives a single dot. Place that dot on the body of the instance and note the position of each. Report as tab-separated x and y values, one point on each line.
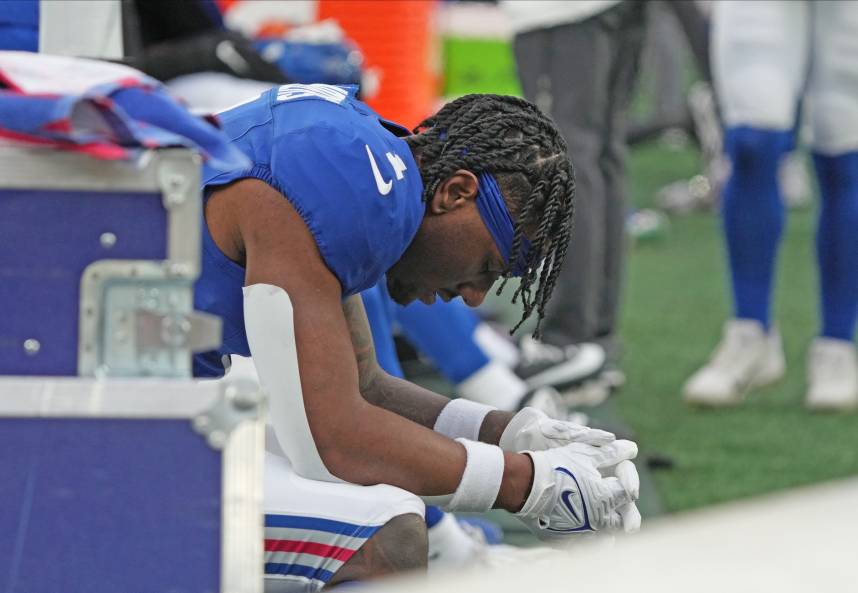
316	549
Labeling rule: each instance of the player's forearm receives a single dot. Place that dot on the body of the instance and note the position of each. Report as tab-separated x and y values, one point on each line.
423	406
375	445
405	399
396	395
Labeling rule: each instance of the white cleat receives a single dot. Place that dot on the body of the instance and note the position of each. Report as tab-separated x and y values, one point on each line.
455	545
832	376
543	364
588	394
747	357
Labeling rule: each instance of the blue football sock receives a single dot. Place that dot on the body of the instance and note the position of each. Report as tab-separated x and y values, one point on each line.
433	516
837	243
753	215
445	333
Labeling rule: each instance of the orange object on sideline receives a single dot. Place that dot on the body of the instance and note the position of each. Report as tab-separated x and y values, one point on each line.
225	5
398	38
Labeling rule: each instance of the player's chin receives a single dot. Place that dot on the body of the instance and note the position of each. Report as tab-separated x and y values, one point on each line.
399	293
403	300
428	298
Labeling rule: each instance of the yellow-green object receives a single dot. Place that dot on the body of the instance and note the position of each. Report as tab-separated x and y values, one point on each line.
479	66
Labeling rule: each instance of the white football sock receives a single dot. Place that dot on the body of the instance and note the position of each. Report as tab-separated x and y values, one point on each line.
450	545
495	385
495	346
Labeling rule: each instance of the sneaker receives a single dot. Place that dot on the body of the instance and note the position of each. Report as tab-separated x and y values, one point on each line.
543	364
546	399
457	543
588	394
747	357
453	545
832	376
595	391
483	529
646	225
701	191
685	196
613	377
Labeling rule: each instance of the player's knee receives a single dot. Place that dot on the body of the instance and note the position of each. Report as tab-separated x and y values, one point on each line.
835	125
401	545
754	148
404	543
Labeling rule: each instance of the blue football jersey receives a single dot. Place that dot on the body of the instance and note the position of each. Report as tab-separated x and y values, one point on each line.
347	172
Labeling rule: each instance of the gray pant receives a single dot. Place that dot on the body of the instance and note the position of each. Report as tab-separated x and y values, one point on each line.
582	74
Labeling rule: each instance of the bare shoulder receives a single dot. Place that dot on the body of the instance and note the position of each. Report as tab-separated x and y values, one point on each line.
255	224
248	209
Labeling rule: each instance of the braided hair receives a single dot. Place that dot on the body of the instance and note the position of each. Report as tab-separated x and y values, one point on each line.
515	142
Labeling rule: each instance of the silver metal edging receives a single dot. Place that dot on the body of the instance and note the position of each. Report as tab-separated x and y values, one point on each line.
242	531
179	178
58	169
78	397
242	457
173	172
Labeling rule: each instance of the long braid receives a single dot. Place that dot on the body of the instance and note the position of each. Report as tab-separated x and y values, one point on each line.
511	139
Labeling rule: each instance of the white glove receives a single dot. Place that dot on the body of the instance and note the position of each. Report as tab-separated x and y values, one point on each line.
533	430
570	496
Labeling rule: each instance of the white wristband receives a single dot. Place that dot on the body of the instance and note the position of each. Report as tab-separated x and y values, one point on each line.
462	418
481	480
541	494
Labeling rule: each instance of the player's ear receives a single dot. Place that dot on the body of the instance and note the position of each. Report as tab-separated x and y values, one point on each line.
455	192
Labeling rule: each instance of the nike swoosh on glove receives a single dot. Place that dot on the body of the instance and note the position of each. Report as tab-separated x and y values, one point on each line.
570	495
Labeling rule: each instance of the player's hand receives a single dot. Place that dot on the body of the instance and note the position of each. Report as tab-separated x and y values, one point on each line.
534	430
570	495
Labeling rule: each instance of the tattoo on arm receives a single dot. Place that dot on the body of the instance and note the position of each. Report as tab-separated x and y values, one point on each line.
397	395
406	399
380	389
368	369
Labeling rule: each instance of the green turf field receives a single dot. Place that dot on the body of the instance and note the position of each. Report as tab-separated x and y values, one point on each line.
675	302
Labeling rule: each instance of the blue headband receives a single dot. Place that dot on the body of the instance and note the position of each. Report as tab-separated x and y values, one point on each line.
495	215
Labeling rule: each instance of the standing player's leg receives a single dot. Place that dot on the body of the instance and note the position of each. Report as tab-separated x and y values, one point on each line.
759	61
833	98
565	70
579	74
628	37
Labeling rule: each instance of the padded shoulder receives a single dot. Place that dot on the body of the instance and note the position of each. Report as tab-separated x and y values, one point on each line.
354	181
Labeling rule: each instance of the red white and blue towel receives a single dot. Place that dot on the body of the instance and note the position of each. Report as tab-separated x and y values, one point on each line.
106	110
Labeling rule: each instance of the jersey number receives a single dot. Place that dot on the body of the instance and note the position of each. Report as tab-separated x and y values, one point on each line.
384	186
